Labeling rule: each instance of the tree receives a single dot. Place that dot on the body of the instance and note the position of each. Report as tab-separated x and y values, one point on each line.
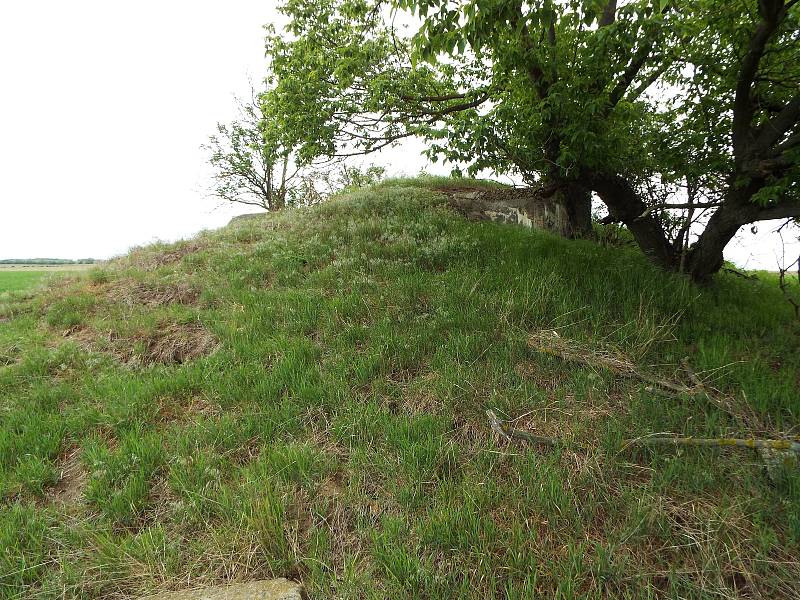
732	132
314	186
250	166
531	89
558	92
254	167
742	100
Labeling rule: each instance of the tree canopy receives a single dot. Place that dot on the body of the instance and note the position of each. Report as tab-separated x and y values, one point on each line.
649	104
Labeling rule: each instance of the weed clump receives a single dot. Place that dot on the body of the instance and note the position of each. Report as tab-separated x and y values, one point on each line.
71	482
171	344
70	311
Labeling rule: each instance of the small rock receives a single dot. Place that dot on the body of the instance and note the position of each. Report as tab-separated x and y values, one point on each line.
778	462
272	589
473	195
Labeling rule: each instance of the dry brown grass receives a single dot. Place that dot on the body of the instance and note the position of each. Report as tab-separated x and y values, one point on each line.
150	258
186	409
416	393
714	549
131	292
550	342
572	351
545	379
172	344
565	420
68	490
169	343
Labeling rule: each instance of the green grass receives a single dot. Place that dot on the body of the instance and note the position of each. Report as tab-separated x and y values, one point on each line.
16	281
337	433
21	278
429	182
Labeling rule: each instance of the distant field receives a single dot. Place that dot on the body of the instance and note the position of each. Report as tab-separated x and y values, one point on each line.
45	268
15	278
11	281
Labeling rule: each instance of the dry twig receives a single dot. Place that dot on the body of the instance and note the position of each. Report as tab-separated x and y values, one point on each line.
551	343
511	434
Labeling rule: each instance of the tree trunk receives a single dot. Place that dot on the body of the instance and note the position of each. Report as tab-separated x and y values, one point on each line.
626	206
280	199
568	205
706	255
574	202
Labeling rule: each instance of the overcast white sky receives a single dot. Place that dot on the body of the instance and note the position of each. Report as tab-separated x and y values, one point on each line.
104	106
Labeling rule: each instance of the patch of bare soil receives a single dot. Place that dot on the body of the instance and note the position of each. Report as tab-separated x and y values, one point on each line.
418	396
545	379
566	419
8	357
331	487
182	410
72	479
131	292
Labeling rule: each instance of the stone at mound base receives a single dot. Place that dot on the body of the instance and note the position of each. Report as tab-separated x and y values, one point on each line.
273	589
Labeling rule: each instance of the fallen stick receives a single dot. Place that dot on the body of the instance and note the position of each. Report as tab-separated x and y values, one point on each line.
554	345
785	445
660	440
691	374
510	434
621	366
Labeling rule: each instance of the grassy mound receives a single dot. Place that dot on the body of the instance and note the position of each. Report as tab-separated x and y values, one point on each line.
304	395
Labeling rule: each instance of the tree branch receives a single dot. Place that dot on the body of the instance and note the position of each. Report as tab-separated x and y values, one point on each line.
650	80
769	167
791	142
637	62
625	81
743	105
442	98
774	129
533	67
665	205
454	108
784	210
609	14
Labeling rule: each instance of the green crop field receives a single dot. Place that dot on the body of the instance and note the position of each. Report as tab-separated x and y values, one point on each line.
45	268
18	280
304	395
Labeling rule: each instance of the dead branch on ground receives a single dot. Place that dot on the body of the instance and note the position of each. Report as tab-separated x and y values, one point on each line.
511	434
